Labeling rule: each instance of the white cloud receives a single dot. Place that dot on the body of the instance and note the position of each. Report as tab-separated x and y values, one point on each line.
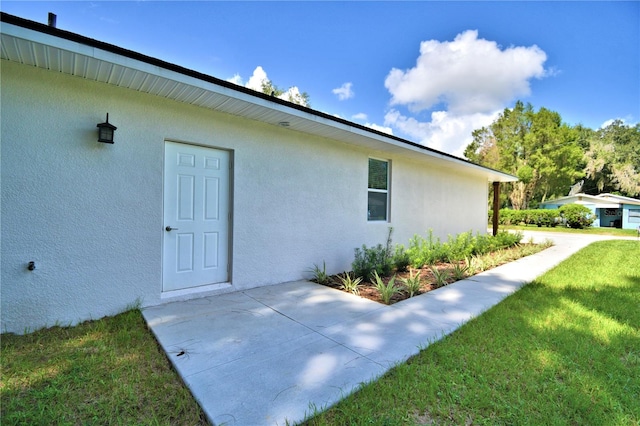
344	92
383	129
293	95
445	132
255	81
469	80
625	121
468	74
257	78
359	116
236	79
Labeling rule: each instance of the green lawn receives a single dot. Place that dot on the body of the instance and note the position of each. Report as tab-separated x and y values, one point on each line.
110	371
588	231
563	350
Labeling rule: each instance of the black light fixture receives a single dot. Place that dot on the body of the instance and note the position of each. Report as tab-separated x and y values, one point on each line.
105	131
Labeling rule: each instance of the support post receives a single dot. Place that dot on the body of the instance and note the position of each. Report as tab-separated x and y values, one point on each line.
496	206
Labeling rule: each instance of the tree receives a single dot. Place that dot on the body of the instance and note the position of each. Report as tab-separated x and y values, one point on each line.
556	154
543	152
613	159
292	94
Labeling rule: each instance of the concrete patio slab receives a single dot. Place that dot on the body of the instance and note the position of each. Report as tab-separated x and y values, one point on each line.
272	355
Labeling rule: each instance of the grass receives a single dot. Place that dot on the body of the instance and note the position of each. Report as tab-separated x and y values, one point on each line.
564	349
616	232
110	371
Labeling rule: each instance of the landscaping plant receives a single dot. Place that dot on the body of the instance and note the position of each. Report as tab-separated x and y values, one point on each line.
377	259
349	283
428	251
412	283
441	276
320	275
459	271
371	259
577	216
486	252
401	259
387	291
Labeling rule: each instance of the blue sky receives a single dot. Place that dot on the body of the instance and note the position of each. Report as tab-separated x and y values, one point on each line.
427	71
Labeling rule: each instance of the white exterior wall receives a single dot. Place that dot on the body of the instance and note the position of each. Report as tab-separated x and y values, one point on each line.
91	217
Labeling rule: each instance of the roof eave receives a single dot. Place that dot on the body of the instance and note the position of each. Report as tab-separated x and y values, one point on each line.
185	85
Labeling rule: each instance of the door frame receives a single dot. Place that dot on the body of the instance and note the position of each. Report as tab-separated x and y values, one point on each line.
207	287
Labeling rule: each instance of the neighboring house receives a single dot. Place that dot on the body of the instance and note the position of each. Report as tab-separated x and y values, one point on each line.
610	210
208	188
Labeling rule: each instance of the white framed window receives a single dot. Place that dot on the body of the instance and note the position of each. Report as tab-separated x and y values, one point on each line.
378	190
634	215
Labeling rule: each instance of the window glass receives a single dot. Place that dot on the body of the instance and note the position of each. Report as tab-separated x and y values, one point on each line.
377	209
378	174
378	191
634	215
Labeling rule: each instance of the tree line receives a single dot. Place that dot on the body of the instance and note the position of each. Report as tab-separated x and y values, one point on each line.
552	159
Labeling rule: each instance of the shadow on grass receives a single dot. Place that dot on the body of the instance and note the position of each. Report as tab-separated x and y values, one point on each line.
543	356
583	353
109	371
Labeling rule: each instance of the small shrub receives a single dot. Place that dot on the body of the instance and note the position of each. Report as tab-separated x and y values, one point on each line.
371	259
416	251
401	259
320	275
577	216
540	217
387	291
350	283
458	247
374	259
412	283
481	245
506	239
426	251
548	217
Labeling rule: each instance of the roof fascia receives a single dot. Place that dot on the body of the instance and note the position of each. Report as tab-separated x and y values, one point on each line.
619	198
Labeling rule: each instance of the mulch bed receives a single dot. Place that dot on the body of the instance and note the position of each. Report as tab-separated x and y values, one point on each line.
428	281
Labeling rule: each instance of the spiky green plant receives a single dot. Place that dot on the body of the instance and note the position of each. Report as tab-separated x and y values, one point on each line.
477	264
459	271
350	283
320	275
387	291
440	276
412	283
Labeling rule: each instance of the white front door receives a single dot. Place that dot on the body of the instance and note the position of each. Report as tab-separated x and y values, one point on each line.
196	216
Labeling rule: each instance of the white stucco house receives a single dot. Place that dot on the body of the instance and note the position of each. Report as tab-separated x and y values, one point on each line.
610	210
208	187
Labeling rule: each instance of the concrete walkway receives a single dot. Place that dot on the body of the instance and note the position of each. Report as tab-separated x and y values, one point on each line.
273	355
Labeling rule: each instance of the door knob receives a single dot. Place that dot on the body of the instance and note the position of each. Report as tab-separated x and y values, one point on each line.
168	228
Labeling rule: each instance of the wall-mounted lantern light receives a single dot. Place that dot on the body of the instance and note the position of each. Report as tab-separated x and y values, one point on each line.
106	131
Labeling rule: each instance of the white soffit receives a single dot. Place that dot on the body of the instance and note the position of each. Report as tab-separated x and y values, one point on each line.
34	48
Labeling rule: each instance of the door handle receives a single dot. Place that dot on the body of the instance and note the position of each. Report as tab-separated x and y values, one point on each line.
169	229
